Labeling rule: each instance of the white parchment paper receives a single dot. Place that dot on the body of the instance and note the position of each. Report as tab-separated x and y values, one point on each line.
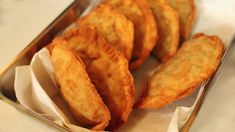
36	88
214	17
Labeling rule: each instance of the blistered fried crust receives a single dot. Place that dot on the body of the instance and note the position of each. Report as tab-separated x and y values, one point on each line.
186	10
145	30
108	70
114	26
168	29
76	88
194	63
186	93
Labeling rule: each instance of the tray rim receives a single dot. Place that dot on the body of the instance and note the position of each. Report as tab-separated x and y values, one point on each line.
227	52
29	47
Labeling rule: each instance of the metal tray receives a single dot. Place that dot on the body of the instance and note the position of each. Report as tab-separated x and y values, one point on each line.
7	75
209	85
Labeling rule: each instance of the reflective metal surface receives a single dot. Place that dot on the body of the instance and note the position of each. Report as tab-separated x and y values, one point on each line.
7	75
210	85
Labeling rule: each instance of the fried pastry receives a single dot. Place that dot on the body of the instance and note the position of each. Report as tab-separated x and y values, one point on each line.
114	26
186	10
194	63
168	29
108	70
145	30
76	87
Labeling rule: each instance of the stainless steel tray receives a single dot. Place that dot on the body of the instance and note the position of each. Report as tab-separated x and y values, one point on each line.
7	75
209	85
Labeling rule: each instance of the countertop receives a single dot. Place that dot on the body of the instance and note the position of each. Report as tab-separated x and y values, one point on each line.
21	21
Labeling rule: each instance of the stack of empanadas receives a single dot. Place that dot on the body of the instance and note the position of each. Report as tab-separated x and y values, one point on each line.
92	60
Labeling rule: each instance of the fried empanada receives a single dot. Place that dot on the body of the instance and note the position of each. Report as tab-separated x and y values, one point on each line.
145	30
186	10
186	93
194	63
114	26
108	70
168	29
76	87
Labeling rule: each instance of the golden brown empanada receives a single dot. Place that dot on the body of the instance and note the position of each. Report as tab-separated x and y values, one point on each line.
114	26
186	10
76	87
194	63
168	29
145	30
108	70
